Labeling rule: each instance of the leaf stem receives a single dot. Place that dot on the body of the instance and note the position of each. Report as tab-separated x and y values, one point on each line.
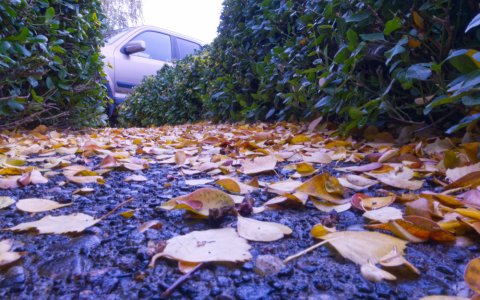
305	251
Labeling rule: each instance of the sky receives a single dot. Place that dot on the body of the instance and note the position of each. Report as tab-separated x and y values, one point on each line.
196	18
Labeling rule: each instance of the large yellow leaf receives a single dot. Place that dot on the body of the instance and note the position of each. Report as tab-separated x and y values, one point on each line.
223	245
200	202
362	247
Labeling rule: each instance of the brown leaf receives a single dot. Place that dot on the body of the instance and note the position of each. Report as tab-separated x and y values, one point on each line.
472	275
323	186
200	202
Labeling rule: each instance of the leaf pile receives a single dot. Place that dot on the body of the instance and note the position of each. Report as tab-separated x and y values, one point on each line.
424	191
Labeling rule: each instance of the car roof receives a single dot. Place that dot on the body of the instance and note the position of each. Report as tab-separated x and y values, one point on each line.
166	31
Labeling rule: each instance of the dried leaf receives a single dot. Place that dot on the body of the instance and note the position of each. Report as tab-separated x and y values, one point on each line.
135	178
150	224
457	173
58	224
260	231
35	205
317	158
7	256
472	274
362	247
259	165
372	273
384	214
362	168
6	201
223	245
196	182
356	182
234	185
200	202
396	260
323	186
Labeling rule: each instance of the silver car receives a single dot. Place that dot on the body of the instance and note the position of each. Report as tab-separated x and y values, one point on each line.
133	53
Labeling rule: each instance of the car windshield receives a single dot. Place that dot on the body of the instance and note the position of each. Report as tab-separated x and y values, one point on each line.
114	35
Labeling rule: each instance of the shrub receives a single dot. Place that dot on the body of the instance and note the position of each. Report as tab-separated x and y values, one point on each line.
173	96
50	63
359	62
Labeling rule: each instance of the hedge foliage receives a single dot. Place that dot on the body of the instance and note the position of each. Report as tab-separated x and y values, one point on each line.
50	63
358	61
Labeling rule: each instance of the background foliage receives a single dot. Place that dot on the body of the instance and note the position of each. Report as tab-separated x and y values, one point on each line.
122	13
359	62
50	63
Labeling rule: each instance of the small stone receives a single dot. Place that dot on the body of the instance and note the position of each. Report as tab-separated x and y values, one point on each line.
252	292
14	275
268	265
445	270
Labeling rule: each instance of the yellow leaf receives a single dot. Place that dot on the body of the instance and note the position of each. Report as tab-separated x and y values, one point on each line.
200	202
260	231
323	186
472	274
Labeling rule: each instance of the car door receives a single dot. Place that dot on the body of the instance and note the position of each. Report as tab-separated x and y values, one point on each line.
130	69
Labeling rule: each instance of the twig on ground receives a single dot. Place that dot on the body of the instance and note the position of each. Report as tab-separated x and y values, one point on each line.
180	281
292	257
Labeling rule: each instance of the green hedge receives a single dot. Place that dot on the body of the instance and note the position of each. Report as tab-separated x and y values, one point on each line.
359	62
50	63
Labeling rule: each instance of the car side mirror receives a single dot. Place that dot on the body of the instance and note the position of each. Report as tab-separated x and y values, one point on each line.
134	47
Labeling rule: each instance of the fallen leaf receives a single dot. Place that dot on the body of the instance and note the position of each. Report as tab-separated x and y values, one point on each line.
323	186
318	231
372	273
472	198
185	266
356	182
363	247
196	182
234	185
329	207
362	168
135	178
35	205
396	260
222	245
260	231
392	179
180	158
259	165
7	256
317	158
58	224
83	191
10	182
472	275
200	202
471	180
384	214
457	173
6	201
150	224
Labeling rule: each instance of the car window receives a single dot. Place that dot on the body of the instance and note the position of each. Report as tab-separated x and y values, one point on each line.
186	47
158	46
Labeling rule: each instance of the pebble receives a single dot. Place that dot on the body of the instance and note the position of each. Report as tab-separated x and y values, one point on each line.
14	275
63	267
252	292
268	265
445	270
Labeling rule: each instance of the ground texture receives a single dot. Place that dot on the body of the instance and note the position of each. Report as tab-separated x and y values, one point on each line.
110	259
